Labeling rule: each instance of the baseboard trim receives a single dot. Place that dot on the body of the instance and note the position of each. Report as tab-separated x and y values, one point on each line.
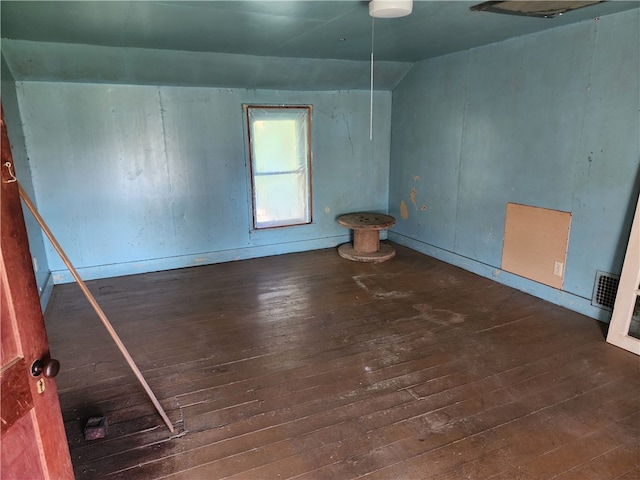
207	258
45	293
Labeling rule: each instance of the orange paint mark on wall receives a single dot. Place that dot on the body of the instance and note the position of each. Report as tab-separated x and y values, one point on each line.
413	197
404	211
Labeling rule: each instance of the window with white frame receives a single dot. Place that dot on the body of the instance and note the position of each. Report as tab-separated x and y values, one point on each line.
280	158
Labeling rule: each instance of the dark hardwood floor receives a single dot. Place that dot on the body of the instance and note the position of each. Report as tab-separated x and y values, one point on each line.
311	366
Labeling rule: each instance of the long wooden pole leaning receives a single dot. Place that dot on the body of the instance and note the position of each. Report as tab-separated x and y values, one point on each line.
95	306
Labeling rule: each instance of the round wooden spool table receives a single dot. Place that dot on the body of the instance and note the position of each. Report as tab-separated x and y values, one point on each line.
366	228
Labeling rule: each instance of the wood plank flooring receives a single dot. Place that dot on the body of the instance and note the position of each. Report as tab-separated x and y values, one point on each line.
310	366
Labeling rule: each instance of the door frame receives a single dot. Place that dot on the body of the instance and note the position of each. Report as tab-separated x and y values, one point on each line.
33	439
628	291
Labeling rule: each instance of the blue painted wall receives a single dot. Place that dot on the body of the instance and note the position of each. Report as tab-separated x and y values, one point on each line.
44	279
550	120
140	178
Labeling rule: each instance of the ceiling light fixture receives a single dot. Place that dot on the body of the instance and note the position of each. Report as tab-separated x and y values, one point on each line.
390	8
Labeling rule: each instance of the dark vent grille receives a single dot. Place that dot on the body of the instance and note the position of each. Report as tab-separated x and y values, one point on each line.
604	290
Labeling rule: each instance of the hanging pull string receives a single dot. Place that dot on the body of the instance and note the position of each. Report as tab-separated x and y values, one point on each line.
12	177
371	87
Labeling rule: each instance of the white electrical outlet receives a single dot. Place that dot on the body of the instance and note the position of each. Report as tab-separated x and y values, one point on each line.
35	264
558	267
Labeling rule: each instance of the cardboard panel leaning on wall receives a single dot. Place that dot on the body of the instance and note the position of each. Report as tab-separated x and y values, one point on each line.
535	243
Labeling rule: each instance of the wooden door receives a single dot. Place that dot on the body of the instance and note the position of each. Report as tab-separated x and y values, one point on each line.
33	443
628	293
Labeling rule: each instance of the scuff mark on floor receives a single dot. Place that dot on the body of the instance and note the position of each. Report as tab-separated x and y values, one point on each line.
360	283
392	294
377	292
439	316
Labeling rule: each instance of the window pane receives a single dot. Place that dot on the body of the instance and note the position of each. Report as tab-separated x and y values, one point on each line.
281	200
280	165
275	144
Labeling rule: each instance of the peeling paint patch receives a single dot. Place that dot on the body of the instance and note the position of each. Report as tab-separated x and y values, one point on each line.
200	260
416	178
327	210
404	212
413	197
423	208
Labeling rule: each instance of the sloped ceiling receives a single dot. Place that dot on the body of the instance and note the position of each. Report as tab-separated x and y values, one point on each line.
250	44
